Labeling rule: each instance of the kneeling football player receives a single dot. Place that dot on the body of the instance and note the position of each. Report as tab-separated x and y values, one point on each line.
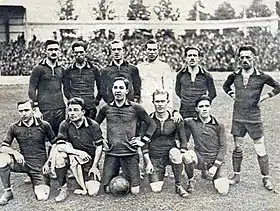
209	147
162	150
79	145
31	134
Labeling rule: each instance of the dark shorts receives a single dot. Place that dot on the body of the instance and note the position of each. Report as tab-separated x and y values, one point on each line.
54	117
159	164
204	164
129	165
255	130
37	177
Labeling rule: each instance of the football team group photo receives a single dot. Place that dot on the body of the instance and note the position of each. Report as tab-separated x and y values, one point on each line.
141	119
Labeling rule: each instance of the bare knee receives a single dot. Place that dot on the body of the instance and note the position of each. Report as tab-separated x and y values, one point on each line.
60	159
175	156
260	146
189	157
5	159
135	190
156	186
42	192
93	187
238	143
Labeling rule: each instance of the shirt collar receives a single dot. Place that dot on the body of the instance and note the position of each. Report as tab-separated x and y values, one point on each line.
74	65
113	63
36	122
255	72
126	103
153	115
84	124
213	121
200	70
44	62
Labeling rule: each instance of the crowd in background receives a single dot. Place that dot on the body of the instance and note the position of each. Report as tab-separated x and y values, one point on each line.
218	51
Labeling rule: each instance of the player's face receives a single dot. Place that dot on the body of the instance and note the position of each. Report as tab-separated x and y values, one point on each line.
117	51
192	57
80	54
203	108
25	111
160	103
52	51
119	90
246	59
152	51
75	112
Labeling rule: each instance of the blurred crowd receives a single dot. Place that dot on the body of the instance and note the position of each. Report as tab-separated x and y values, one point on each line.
218	51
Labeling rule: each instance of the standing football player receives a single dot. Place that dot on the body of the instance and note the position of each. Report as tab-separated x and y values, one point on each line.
79	142
248	85
162	150
31	134
119	67
209	147
155	74
81	78
191	83
122	117
45	86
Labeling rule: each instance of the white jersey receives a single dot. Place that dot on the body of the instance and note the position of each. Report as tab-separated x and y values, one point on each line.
156	75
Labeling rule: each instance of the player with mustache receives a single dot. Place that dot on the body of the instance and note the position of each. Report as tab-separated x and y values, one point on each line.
247	95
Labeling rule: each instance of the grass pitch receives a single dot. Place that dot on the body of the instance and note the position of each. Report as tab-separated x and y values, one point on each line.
248	195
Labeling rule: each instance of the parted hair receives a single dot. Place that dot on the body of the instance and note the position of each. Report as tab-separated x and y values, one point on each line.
192	48
160	92
246	48
76	101
79	44
126	82
50	42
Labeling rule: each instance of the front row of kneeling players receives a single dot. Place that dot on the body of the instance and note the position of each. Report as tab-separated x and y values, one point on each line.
79	146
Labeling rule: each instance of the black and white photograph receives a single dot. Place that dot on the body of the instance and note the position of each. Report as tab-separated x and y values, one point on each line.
117	105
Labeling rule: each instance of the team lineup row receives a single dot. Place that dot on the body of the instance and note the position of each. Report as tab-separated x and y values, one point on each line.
163	136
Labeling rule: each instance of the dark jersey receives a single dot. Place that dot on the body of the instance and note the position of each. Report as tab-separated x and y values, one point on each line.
246	104
164	136
84	138
121	126
31	141
45	86
81	83
209	139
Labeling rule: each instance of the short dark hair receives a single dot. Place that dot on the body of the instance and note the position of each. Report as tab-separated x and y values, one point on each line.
26	101
76	101
126	82
247	48
50	42
160	92
152	41
79	44
201	98
192	48
116	42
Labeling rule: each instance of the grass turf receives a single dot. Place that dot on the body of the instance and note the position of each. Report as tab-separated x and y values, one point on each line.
248	195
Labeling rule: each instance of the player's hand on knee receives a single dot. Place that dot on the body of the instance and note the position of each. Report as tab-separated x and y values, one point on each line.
149	168
85	157
212	171
19	157
96	173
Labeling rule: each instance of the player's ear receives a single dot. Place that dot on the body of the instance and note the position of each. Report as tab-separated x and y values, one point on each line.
196	109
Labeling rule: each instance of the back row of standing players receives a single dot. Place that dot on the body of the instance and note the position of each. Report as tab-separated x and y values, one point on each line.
77	141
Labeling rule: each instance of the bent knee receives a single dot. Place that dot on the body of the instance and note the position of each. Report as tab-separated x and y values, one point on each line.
42	192
60	159
156	186
175	156
189	157
5	159
135	190
93	187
